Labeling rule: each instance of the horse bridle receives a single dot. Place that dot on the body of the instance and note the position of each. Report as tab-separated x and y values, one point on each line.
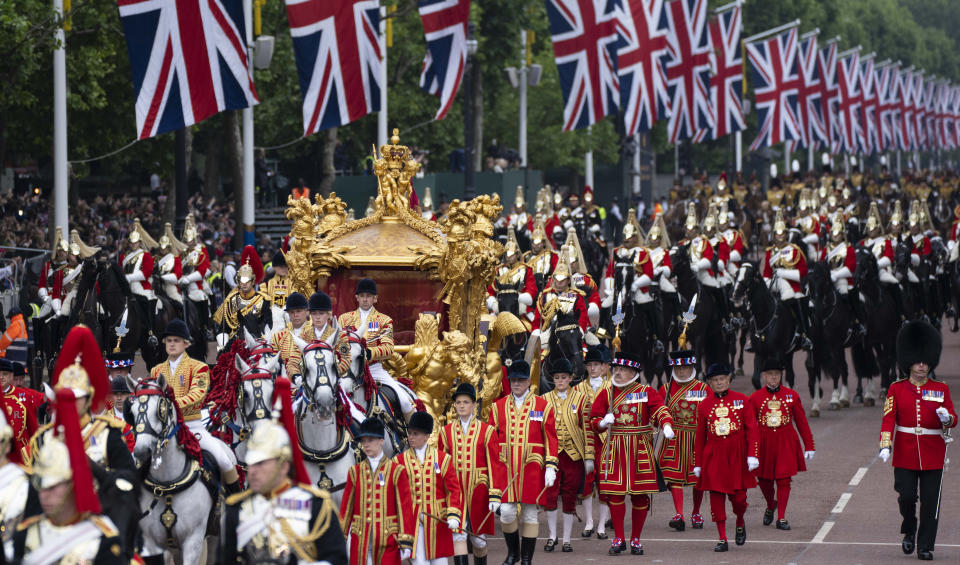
165	408
261	406
308	391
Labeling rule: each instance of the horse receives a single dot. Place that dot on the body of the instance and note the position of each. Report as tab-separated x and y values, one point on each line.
323	415
773	327
702	334
254	392
635	334
878	353
178	497
831	334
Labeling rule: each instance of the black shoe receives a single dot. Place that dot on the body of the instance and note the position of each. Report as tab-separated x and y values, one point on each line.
741	535
602	535
677	523
636	548
551	543
782	524
908	544
608	524
768	516
567	548
513	548
587	533
527	547
721	546
617	548
924	555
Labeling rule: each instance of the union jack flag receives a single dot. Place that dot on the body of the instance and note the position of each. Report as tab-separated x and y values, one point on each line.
930	116
188	59
445	27
776	83
809	95
848	78
829	94
585	44
643	82
726	75
339	55
954	110
920	110
886	79
688	69
907	127
868	110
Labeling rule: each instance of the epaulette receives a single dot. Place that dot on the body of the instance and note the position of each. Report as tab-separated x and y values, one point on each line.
27	522
317	492
105	526
110	421
238	497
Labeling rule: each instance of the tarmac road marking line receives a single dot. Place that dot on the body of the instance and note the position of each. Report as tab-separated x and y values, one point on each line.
822	532
858	476
752	542
842	503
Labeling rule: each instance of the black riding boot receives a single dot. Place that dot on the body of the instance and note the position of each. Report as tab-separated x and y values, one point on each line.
527	547
513	547
720	298
650	312
151	306
232	488
461	560
801	310
853	300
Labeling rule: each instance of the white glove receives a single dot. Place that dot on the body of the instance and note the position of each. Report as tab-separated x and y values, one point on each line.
135	277
696	471
492	304
405	554
588	467
43	293
668	431
943	415
808	455
493	507
170	278
550	476
453	523
752	463
607	302
57	303
591	339
885	454
606	421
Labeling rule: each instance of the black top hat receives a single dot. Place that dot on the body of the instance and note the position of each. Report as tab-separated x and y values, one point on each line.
465	389
176	328
682	358
119	360
718	369
6	366
421	421
918	342
518	370
561	365
605	352
295	301
19	370
320	301
594	354
366	285
772	364
279	260
119	386
625	359
371	427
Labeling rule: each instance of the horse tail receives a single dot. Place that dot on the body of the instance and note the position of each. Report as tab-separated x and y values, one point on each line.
863	363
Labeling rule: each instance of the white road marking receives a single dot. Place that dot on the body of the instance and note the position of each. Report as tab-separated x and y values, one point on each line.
749	542
858	476
822	533
842	503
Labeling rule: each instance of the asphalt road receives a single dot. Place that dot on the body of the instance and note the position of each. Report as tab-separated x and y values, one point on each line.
843	510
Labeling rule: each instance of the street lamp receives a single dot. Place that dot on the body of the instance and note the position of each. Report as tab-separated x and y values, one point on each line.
468	147
526	75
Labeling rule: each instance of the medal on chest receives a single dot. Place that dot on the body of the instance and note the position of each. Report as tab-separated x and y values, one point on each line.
774	417
722	425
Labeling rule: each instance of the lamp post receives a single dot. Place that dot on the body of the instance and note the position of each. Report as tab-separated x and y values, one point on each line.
468	147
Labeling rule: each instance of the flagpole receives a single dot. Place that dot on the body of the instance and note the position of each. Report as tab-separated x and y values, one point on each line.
729	6
810	157
523	99
588	166
382	78
773	31
739	144
636	164
247	113
60	179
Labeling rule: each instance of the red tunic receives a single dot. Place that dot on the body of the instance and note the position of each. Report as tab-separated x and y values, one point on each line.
788	257
548	294
377	511
436	491
626	465
777	413
907	408
849	258
726	436
22	421
528	436
676	455
476	456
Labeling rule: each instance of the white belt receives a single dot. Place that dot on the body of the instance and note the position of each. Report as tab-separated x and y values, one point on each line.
918	431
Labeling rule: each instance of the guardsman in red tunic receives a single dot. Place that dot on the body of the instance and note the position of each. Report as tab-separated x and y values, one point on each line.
575	437
528	435
629	409
682	395
541	257
778	410
436	493
598	378
514	282
622	259
50	283
726	451
475	448
917	416
784	270
377	510
20	418
580	278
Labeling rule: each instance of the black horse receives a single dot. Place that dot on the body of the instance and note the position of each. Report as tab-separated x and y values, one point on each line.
878	354
705	335
635	332
831	333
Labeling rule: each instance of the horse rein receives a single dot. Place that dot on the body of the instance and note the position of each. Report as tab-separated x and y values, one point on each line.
141	423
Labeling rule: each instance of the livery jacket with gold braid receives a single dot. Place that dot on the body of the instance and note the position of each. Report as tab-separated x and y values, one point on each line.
292	524
289	352
102	440
476	456
378	331
342	347
528	436
435	488
190	384
278	288
575	435
22	421
377	511
92	539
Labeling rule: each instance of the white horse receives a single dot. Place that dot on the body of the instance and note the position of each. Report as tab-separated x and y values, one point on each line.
255	391
183	521
388	398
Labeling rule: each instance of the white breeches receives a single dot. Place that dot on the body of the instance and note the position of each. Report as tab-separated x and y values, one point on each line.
912	277
508	513
173	293
68	303
666	285
706	279
479	542
786	290
137	288
842	286
223	455
382	377
420	552
886	276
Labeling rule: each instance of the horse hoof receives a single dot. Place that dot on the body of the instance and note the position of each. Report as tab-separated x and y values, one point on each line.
814	412
834	405
869	402
845	403
858	399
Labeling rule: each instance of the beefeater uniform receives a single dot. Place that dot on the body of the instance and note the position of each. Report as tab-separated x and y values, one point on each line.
726	435
435	490
780	416
575	438
377	512
916	418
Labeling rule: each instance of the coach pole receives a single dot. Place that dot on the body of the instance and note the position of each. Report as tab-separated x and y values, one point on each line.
60	178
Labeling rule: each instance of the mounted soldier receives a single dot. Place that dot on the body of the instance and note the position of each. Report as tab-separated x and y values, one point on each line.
920	260
50	284
79	253
841	258
541	257
514	289
170	266
196	265
244	300
784	269
137	265
279	285
704	260
881	246
580	278
623	258
561	322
